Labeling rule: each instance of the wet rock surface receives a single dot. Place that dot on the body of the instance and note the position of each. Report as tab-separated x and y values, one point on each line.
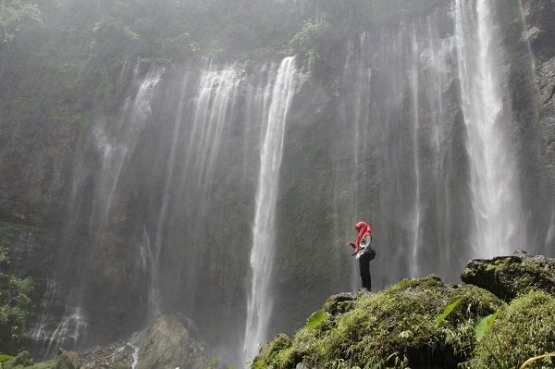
168	344
509	276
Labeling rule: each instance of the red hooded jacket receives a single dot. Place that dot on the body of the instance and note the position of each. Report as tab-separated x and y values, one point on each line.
363	230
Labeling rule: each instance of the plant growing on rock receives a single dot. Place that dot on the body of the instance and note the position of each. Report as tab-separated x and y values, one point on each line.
524	329
417	323
14	298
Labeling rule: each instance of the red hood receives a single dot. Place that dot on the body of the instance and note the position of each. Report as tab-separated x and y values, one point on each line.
363	230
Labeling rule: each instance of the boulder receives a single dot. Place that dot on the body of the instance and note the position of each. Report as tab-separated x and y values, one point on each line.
118	355
416	323
523	330
509	276
168	345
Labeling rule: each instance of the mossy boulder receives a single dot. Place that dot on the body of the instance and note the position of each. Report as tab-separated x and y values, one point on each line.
509	276
524	329
405	325
23	359
168	344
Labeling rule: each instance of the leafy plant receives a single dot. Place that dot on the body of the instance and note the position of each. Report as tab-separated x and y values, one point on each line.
315	319
484	326
523	329
448	310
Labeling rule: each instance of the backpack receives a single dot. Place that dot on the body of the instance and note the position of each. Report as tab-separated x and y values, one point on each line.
366	248
372	253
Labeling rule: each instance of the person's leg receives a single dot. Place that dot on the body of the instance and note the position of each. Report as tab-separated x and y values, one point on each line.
364	266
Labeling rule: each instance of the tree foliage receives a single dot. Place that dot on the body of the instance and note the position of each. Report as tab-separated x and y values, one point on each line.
14	298
13	13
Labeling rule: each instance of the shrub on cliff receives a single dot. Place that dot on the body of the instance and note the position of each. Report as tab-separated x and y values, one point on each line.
14	298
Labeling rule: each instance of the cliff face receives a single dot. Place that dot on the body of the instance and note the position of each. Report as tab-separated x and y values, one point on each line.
537	16
135	209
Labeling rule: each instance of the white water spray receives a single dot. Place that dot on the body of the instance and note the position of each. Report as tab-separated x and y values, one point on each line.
498	227
416	241
259	308
117	146
114	144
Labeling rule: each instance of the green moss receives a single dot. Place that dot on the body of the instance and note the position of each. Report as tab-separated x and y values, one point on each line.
43	365
63	362
396	328
274	351
5	358
524	329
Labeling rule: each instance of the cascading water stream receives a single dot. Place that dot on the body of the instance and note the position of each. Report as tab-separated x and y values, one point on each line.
498	224
416	237
214	104
259	308
154	254
114	145
117	146
526	36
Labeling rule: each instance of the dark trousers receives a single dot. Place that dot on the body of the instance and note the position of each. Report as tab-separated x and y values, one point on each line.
364	266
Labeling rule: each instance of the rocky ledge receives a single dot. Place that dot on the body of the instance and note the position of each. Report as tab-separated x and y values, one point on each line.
167	344
500	316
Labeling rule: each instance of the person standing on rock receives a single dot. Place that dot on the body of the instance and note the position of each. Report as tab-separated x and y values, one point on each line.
364	252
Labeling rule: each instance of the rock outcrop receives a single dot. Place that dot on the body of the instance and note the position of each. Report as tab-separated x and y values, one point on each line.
510	276
168	345
117	355
425	323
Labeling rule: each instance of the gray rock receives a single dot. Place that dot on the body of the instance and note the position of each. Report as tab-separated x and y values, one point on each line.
508	276
169	345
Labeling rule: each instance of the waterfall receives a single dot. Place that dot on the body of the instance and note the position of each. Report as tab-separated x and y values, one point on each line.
526	36
259	307
494	180
176	196
354	120
113	145
116	145
395	86
417	216
154	254
211	114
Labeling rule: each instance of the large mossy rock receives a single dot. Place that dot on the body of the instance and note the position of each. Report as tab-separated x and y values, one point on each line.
169	345
417	323
509	276
524	329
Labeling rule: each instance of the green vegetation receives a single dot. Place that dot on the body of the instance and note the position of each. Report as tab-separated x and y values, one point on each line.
398	327
13	14
522	330
15	302
424	323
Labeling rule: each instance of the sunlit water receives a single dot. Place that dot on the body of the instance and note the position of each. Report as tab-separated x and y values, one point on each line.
498	225
259	308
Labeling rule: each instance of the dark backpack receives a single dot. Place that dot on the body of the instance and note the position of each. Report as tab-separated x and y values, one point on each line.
371	253
369	250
